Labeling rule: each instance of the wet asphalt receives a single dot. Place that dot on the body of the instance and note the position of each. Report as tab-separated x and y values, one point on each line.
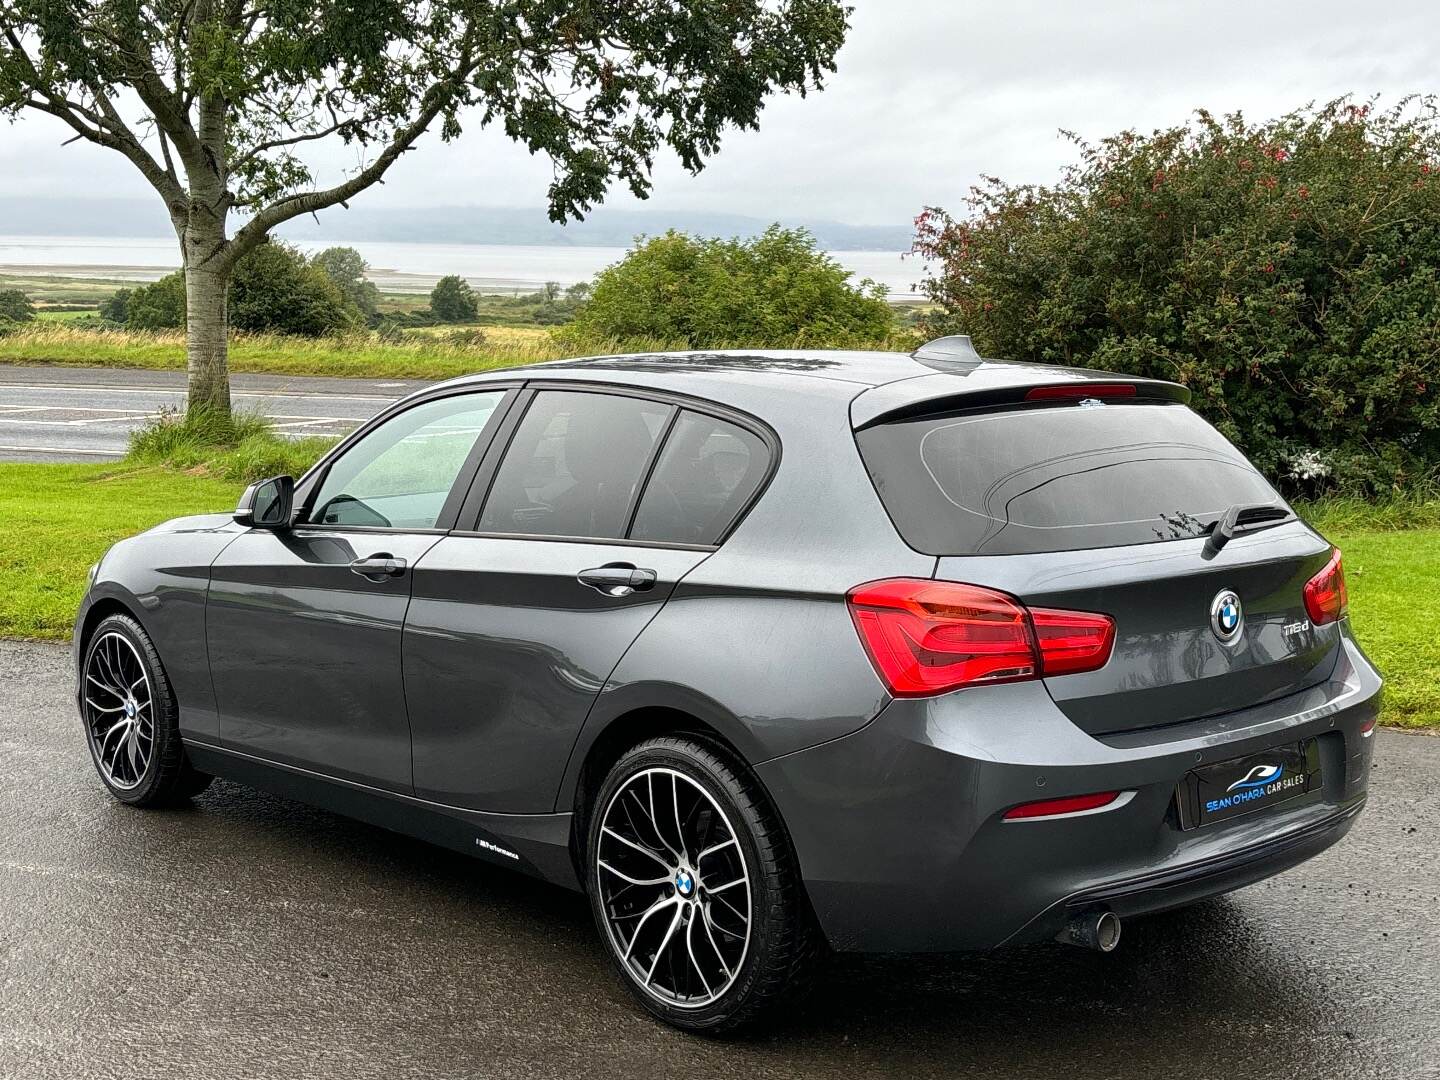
252	937
87	414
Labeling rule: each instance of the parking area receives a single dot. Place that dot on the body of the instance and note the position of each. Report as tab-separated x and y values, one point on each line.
252	937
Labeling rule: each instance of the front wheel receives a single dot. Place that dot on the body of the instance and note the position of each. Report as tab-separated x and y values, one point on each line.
695	889
131	720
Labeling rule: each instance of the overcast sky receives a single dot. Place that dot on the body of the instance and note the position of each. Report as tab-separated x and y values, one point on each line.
929	95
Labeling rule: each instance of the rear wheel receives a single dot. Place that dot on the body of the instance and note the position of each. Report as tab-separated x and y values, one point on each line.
695	889
131	719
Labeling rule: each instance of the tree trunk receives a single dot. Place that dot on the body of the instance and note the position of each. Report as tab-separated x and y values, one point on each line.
207	253
207	339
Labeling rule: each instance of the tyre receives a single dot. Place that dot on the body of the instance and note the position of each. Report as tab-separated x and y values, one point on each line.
695	888
130	718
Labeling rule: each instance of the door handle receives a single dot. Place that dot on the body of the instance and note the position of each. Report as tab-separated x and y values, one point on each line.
617	579
379	566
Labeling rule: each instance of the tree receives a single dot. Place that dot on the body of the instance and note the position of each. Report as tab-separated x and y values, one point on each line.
453	301
346	268
15	306
231	93
114	308
273	289
1288	272
776	290
159	305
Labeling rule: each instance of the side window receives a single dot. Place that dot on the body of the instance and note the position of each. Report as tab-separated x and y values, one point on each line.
574	465
399	475
707	472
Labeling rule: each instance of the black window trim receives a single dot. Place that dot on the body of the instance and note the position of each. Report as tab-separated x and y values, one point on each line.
314	477
484	478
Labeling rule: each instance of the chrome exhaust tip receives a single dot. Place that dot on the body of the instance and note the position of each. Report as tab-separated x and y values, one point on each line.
1098	930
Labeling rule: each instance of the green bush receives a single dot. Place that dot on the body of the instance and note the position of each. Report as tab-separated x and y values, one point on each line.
1287	272
157	306
273	290
775	290
15	306
453	301
116	307
346	268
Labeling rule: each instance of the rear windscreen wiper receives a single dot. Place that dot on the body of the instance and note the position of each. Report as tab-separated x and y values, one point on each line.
1245	517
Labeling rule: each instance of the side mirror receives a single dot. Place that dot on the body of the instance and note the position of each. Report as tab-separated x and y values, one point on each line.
266	504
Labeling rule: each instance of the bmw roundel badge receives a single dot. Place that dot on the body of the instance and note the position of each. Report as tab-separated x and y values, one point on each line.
1227	618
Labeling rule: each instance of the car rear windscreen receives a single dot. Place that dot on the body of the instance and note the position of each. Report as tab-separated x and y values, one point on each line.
1056	478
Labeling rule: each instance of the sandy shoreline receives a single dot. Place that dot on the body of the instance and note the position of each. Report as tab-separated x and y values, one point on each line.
393	281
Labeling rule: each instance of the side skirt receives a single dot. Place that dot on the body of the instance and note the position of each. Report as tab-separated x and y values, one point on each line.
534	844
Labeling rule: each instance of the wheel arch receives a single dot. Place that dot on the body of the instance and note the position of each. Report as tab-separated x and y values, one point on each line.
629	729
101	610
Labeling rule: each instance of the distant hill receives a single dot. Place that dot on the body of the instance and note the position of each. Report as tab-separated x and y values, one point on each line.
26	216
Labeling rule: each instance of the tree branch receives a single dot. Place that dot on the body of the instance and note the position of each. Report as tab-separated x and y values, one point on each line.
437	98
274	144
105	128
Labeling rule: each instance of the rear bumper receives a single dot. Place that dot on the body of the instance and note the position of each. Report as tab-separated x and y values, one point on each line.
1181	885
901	839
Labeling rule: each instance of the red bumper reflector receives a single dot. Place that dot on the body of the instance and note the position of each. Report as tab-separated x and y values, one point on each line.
1367	728
1073	804
1083	390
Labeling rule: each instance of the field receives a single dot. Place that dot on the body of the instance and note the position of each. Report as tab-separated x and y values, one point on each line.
55	520
434	353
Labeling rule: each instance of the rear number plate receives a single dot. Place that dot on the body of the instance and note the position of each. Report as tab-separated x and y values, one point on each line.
1255	782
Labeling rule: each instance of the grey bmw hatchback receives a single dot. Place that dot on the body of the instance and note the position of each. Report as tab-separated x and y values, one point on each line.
766	653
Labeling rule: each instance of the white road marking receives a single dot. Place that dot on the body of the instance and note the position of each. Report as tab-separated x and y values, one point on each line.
60	450
105	388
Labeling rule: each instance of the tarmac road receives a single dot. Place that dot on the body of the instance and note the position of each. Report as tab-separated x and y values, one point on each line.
87	414
252	937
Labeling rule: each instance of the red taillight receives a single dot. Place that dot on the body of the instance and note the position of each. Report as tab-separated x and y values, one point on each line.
1072	640
1325	595
929	637
1074	804
1083	390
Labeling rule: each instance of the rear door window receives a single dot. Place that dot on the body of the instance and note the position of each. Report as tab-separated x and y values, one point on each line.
575	465
707	473
1059	478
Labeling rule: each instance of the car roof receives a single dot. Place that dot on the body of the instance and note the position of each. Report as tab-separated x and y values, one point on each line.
876	383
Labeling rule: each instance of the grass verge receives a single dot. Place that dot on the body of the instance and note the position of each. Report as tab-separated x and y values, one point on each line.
55	520
429	353
1395	610
242	447
434	355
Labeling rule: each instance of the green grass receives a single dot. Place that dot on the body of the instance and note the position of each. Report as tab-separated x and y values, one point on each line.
59	289
242	447
433	355
439	352
54	315
1395	610
1350	515
55	520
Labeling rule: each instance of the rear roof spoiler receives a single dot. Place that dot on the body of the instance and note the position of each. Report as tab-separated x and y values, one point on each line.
964	380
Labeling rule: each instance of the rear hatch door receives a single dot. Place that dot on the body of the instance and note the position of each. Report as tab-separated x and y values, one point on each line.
1108	508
